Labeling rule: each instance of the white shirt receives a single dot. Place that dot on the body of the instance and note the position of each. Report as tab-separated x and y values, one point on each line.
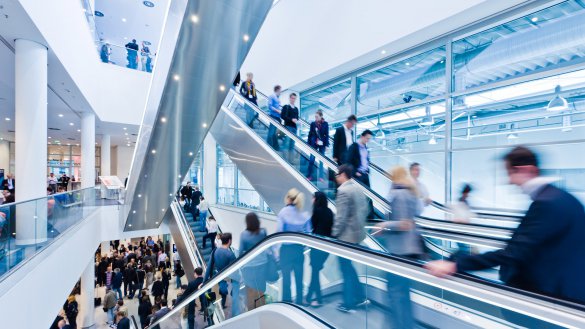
533	186
52	180
211	226
348	136
204	206
162	257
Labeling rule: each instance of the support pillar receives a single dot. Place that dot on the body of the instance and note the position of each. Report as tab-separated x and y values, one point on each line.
105	156
86	298
87	150
31	140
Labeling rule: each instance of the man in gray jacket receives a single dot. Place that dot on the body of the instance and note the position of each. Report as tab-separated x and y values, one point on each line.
109	303
352	209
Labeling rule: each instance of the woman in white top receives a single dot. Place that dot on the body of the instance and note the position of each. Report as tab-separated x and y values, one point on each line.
211	232
203	209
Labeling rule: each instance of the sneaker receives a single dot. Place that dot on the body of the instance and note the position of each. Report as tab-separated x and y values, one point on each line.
365	302
345	309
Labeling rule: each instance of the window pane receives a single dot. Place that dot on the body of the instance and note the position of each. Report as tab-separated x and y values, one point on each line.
549	38
334	101
410	80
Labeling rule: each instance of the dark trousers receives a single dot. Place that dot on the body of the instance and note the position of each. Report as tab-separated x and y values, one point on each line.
353	290
318	258
271	138
209	236
321	150
399	301
292	260
251	115
365	179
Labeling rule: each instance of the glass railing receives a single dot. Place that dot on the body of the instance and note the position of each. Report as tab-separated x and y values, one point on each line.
348	286
140	60
29	226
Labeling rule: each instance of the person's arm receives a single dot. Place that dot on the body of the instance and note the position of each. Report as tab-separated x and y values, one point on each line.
336	141
312	134
243	89
342	204
280	221
325	137
284	114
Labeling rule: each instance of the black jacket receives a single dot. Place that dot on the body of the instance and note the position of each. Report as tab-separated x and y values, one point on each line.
192	287
545	253
158	288
322	221
144	309
130	275
187	191
288	113
353	157
339	145
196	197
321	133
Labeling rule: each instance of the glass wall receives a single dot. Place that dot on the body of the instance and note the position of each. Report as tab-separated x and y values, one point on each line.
459	104
233	188
66	159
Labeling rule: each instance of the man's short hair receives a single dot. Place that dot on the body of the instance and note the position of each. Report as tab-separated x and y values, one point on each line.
163	302
367	132
319	112
277	88
521	156
414	164
293	94
225	238
352	118
199	271
345	169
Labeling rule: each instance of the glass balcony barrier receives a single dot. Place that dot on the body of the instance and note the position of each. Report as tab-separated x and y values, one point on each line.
29	226
132	56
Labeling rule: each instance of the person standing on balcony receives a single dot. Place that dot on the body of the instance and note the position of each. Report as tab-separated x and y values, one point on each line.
145	58
274	110
52	183
290	115
132	56
319	140
248	90
105	52
343	138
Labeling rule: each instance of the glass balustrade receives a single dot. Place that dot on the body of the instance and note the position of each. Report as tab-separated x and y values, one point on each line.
140	60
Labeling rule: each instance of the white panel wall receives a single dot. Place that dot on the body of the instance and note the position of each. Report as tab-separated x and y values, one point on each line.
121	160
5	157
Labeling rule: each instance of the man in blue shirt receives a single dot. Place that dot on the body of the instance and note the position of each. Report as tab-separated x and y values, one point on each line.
274	109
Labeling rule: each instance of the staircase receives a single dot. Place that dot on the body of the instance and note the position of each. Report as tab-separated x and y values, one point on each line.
195	227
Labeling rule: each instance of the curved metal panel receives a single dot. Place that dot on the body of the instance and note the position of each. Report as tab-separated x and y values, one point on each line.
209	51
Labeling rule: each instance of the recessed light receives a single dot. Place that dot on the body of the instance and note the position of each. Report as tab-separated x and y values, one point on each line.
156	223
194	18
153	151
128	145
176	77
7	119
534	19
190	154
221	88
77	144
60	115
50	137
163	119
204	125
124	128
163	209
124	20
78	130
383	52
170	194
407	64
179	176
129	225
126	134
71	123
140	195
246	38
133	211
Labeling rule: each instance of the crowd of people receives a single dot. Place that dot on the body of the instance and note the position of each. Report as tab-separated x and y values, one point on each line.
135	55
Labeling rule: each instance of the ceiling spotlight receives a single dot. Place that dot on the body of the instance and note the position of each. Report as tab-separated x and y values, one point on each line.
7	119
50	137
246	38
128	145
129	225
170	194
558	103
133	211
78	130
221	88
153	151
163	209
124	20
71	123
124	128
126	134
156	223
194	18
383	52
204	125
190	154
140	195
176	77
534	19
407	64
60	115
433	141
163	119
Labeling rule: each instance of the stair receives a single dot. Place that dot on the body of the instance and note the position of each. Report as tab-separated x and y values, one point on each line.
195	226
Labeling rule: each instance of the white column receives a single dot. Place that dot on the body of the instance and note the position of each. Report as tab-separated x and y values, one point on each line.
86	305
105	156
87	150
31	140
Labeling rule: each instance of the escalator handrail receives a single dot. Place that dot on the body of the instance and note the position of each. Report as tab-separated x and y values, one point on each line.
534	305
304	146
187	228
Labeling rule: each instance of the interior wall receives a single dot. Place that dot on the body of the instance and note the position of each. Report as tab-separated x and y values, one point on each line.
5	156
123	160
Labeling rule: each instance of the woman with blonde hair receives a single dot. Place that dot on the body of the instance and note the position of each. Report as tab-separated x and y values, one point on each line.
402	238
71	309
292	219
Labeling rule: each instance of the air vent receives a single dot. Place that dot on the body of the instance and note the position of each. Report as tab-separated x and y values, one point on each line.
54	129
10	131
71	139
134	134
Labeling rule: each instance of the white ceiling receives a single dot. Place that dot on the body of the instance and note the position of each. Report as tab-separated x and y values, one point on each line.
64	98
303	39
141	22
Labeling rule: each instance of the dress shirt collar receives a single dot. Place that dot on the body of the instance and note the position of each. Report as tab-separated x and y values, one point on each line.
535	185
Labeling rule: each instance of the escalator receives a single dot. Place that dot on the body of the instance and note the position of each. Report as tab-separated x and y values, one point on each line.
429	302
273	169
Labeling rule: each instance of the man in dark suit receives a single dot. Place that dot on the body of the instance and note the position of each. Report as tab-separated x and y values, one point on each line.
187	192
318	139
545	253
343	138
358	156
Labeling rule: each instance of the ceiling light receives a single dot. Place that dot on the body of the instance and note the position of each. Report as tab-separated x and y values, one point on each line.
60	115
176	77
7	119
78	130
407	64
433	141
558	103
124	128
534	19
383	52
126	134
71	123
128	145
140	195
204	125
194	18
179	176
156	222
190	154
153	151
163	209
129	225
163	119
221	88
50	137
170	194
133	211
246	38
124	20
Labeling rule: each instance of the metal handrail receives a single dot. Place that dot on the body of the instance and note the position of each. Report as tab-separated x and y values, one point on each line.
190	234
560	312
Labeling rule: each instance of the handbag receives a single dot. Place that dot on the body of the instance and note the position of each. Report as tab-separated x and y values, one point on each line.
271	268
105	310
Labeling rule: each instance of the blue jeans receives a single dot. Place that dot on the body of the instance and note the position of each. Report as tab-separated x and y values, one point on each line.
292	260
202	219
178	281
111	315
271	138
235	298
321	150
119	292
399	301
353	291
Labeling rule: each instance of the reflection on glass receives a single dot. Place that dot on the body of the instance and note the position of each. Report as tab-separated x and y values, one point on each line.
334	101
